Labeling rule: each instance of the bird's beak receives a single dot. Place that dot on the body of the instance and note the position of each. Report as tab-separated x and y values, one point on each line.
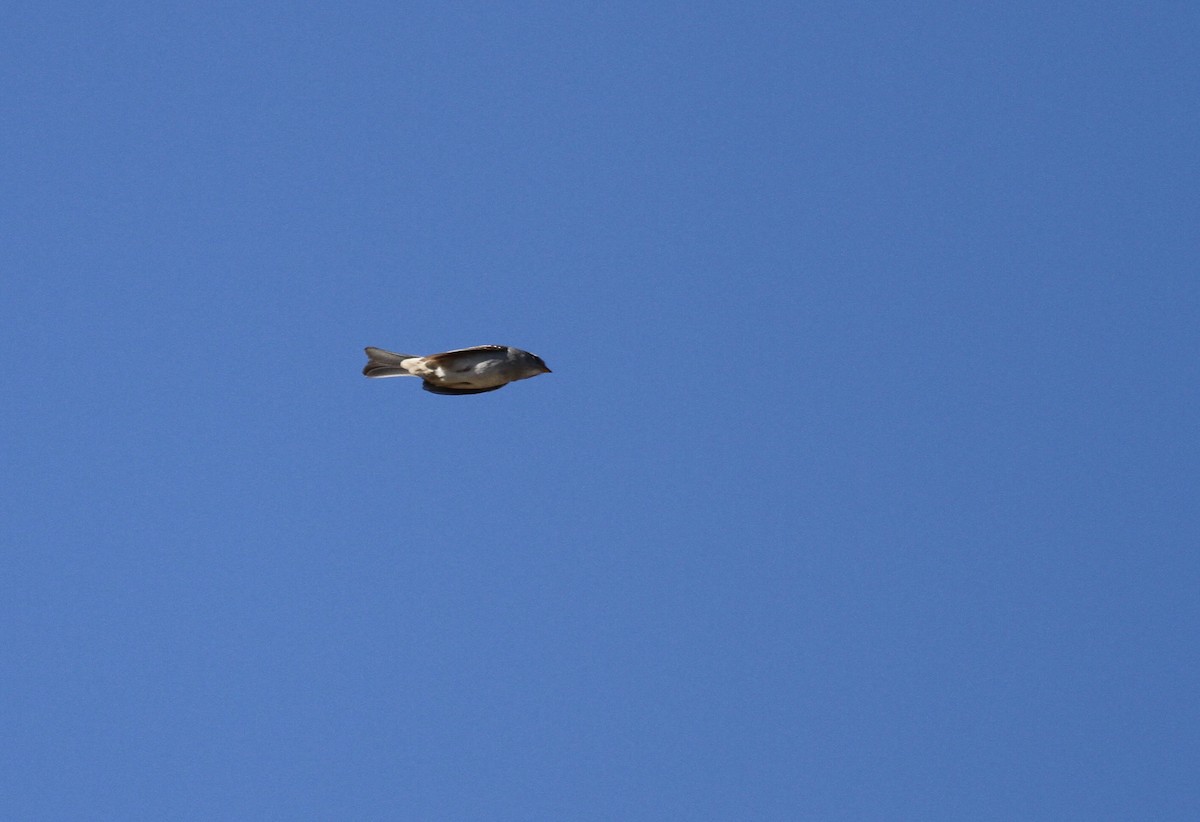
546	370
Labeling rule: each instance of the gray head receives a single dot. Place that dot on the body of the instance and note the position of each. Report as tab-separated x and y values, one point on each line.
531	364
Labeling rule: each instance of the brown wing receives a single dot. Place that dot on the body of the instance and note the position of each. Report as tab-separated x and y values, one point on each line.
441	389
440	359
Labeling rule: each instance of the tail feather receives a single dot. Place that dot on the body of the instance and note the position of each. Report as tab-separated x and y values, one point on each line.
382	363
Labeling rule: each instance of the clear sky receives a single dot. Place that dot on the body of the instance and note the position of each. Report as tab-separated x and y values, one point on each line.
866	485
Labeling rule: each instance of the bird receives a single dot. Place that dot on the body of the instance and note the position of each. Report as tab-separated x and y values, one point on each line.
473	370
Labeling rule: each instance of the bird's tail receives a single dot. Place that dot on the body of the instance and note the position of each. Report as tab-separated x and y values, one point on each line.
382	363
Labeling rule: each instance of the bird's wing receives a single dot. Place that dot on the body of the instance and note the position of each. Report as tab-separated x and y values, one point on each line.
445	356
441	389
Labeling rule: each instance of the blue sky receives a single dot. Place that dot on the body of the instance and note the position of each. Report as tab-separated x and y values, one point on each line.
865	485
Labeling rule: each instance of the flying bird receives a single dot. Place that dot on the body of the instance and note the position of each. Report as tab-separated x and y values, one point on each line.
462	371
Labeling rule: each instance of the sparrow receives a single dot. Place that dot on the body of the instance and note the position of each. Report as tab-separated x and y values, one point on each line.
462	371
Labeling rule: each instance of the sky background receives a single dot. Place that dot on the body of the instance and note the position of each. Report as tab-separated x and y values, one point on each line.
866	485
